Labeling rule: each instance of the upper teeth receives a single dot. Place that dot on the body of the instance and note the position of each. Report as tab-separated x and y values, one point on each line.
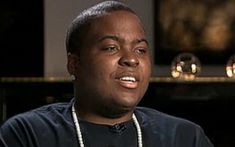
132	79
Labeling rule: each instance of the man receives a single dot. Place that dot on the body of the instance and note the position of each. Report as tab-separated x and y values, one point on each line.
108	58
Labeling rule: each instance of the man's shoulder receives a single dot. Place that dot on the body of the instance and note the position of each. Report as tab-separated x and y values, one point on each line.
150	113
165	122
172	130
46	125
50	112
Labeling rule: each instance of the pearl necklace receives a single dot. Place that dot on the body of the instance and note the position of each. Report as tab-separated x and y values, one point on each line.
79	133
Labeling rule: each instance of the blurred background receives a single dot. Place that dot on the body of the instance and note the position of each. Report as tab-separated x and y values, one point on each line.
192	44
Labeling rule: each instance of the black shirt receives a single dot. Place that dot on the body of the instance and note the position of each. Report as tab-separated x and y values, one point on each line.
52	126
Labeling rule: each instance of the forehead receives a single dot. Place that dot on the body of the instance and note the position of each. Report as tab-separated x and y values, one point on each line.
117	22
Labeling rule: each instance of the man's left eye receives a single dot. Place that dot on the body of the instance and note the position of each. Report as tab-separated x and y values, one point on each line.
141	50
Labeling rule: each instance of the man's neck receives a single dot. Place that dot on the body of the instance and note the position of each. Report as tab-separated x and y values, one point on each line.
93	117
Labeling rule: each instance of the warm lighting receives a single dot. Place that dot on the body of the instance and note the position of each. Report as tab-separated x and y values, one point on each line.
191	24
230	67
185	66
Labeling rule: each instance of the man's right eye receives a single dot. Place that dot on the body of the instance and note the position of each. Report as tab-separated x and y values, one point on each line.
110	48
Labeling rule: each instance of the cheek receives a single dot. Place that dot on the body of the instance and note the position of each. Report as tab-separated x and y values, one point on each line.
102	69
146	68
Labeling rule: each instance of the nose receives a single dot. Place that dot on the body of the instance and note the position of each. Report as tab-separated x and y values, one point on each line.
129	59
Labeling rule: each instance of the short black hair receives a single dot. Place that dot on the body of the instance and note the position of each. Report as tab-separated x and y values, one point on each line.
80	25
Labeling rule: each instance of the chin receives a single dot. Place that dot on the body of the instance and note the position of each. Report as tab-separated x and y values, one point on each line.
129	101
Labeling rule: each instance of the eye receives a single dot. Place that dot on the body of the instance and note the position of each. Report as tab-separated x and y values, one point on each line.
110	48
141	50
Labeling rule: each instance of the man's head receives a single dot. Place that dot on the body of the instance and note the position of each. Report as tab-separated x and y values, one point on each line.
80	25
110	59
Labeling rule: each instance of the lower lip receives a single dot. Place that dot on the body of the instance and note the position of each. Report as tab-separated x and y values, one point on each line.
127	84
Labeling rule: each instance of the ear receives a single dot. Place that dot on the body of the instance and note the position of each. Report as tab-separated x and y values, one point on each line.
72	64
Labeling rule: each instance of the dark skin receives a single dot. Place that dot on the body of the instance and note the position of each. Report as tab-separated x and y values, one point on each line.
112	70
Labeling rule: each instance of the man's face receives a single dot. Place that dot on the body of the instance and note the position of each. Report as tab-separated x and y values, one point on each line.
114	66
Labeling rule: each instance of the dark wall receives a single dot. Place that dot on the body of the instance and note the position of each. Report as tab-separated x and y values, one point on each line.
21	38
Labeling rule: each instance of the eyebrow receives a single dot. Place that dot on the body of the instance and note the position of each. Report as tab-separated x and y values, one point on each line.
116	38
143	40
113	37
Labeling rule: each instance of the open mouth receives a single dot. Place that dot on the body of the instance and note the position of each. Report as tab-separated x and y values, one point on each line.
128	82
